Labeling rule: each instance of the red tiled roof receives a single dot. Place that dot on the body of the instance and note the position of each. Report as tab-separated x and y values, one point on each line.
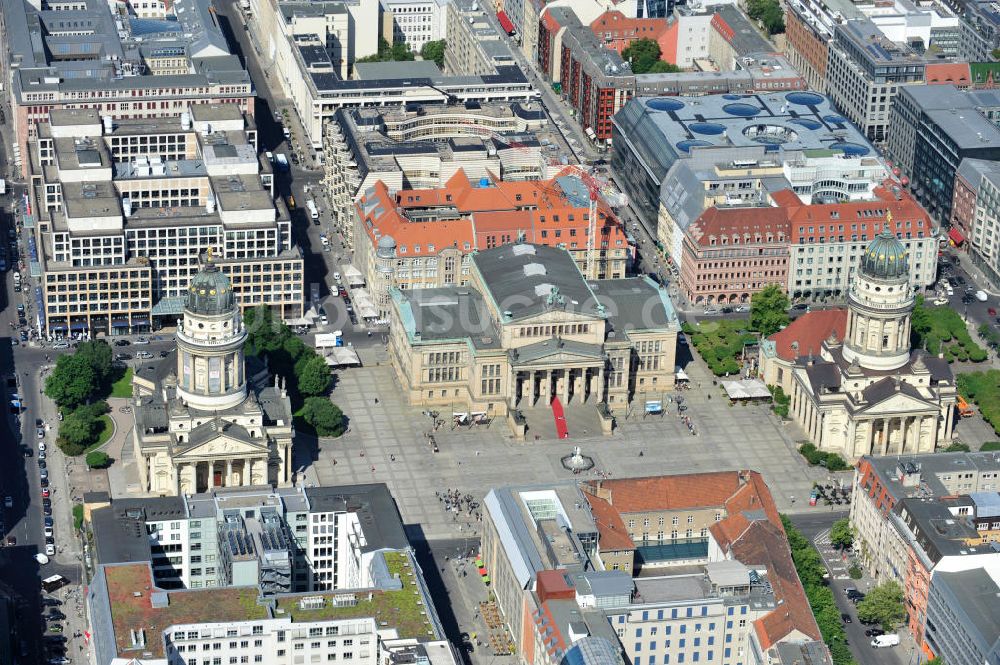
718	222
691	490
535	209
832	222
751	532
612	534
810	331
763	542
948	72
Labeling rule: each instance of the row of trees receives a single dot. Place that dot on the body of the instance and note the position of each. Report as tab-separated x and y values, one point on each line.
78	385
811	572
306	373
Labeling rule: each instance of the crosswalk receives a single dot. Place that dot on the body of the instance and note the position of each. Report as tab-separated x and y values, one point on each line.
833	559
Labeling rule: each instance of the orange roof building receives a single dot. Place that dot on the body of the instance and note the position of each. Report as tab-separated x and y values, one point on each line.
732	510
421	238
810	249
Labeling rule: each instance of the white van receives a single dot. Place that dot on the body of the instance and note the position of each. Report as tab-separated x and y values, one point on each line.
888	640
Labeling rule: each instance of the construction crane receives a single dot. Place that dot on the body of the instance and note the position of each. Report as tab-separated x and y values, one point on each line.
593	186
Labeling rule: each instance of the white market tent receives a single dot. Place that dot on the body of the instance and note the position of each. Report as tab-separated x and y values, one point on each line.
352	276
747	389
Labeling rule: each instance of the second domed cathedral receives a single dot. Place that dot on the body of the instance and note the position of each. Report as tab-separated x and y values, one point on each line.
870	393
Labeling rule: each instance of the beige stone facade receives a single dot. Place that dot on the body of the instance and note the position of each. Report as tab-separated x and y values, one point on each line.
527	329
203	422
869	394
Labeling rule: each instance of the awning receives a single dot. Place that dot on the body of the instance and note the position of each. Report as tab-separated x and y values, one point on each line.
119	323
341	356
78	326
747	389
140	321
681	375
58	327
956	236
364	304
352	276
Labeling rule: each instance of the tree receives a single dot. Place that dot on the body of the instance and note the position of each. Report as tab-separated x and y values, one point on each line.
389	52
957	447
769	310
98	460
265	334
324	416
98	355
72	382
937	660
434	51
663	67
77	431
884	605
841	533
644	56
312	375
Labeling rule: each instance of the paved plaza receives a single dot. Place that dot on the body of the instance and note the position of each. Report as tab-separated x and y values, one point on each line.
474	459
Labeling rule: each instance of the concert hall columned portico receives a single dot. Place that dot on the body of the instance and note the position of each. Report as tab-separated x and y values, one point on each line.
528	329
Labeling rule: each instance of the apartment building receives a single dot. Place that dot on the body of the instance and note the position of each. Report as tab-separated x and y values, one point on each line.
984	241
423	146
423	238
864	73
319	83
968	180
932	129
815	176
474	46
811	25
595	80
91	54
134	619
716	584
980	32
731	253
827	240
651	134
416	22
123	211
918	516
286	539
963	624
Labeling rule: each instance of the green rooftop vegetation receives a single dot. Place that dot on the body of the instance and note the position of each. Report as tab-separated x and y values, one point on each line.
401	609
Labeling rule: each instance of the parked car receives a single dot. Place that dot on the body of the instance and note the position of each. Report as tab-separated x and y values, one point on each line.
49	531
122	357
846	617
874	632
61	345
143	355
45	492
56	615
41	463
50	550
122	342
11	541
142	340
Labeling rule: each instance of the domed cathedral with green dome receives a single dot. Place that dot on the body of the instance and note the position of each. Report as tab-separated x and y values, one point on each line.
210	418
871	393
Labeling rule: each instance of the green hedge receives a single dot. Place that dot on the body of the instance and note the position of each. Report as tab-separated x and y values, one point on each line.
781	401
942	330
720	343
816	457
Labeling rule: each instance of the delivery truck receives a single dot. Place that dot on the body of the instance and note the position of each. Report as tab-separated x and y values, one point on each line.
313	210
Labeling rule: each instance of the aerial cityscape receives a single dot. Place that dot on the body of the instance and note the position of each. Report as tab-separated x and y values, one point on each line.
523	332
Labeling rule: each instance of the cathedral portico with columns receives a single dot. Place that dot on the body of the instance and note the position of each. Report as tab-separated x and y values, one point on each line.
870	393
210	417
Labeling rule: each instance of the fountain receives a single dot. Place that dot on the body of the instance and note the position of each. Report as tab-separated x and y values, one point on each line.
577	462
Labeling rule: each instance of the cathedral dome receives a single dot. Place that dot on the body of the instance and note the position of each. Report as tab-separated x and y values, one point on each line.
210	292
885	257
